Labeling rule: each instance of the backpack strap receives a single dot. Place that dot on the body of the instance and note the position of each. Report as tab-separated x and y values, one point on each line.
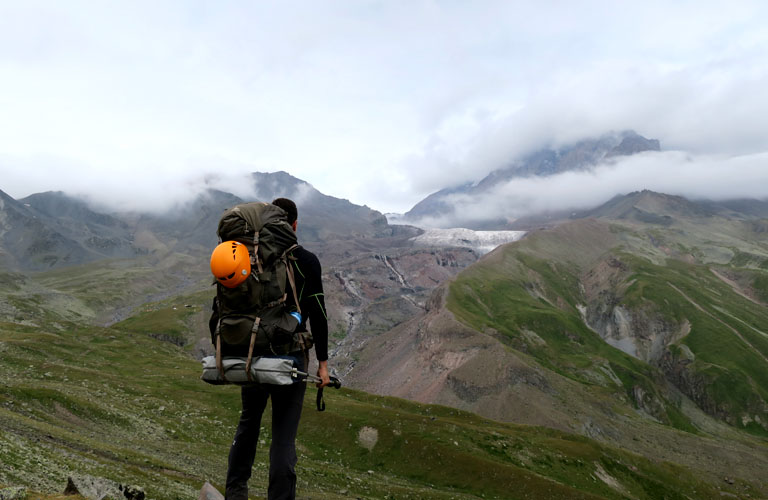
254	331
255	255
292	280
291	277
219	365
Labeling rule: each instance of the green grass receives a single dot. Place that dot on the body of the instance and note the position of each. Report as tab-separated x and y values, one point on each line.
734	369
111	289
164	322
114	403
760	284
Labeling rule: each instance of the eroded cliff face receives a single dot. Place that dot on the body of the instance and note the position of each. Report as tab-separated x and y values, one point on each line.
372	292
641	331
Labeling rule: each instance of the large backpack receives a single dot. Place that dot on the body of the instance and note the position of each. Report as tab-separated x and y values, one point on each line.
255	313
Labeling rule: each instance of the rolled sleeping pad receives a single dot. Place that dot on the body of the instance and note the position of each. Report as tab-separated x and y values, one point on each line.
277	370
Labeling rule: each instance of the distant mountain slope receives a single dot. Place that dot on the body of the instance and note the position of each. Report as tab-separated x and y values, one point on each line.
53	229
580	156
31	240
187	228
102	234
655	207
661	317
192	226
747	207
322	217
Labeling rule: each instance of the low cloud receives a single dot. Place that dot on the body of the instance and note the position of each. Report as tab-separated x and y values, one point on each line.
124	189
706	109
714	178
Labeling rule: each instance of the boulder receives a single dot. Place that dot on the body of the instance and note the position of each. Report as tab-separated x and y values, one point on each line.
97	488
208	492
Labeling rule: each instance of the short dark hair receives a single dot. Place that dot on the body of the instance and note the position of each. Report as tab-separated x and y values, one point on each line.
290	208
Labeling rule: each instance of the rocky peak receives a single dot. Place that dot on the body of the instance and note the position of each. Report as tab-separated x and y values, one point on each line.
321	217
270	185
633	143
579	156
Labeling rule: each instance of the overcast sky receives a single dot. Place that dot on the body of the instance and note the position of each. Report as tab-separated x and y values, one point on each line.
378	102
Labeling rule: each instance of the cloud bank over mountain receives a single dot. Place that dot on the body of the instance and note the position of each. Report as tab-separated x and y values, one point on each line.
673	172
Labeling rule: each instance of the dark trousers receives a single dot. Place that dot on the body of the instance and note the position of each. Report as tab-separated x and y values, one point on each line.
287	402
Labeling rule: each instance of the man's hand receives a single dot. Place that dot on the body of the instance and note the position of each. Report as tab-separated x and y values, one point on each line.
322	374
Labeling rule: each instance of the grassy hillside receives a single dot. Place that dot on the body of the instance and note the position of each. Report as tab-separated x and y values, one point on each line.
119	404
563	295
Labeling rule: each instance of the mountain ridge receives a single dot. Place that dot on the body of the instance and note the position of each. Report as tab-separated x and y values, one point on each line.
30	241
40	221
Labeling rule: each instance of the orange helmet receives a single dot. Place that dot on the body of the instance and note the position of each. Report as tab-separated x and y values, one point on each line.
230	263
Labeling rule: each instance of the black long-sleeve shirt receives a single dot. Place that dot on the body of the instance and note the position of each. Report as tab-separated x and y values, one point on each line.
309	289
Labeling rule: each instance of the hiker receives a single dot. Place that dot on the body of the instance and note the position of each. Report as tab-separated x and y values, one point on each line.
287	400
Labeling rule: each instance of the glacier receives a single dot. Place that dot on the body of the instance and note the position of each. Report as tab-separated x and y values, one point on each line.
480	241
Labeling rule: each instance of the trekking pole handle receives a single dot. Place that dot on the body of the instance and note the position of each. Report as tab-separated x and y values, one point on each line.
335	382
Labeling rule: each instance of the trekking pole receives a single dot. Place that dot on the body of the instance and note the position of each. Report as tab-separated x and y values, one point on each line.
335	383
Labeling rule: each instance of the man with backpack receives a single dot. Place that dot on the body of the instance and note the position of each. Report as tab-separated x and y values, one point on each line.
304	298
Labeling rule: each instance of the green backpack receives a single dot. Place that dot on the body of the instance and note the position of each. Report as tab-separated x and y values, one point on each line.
255	313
